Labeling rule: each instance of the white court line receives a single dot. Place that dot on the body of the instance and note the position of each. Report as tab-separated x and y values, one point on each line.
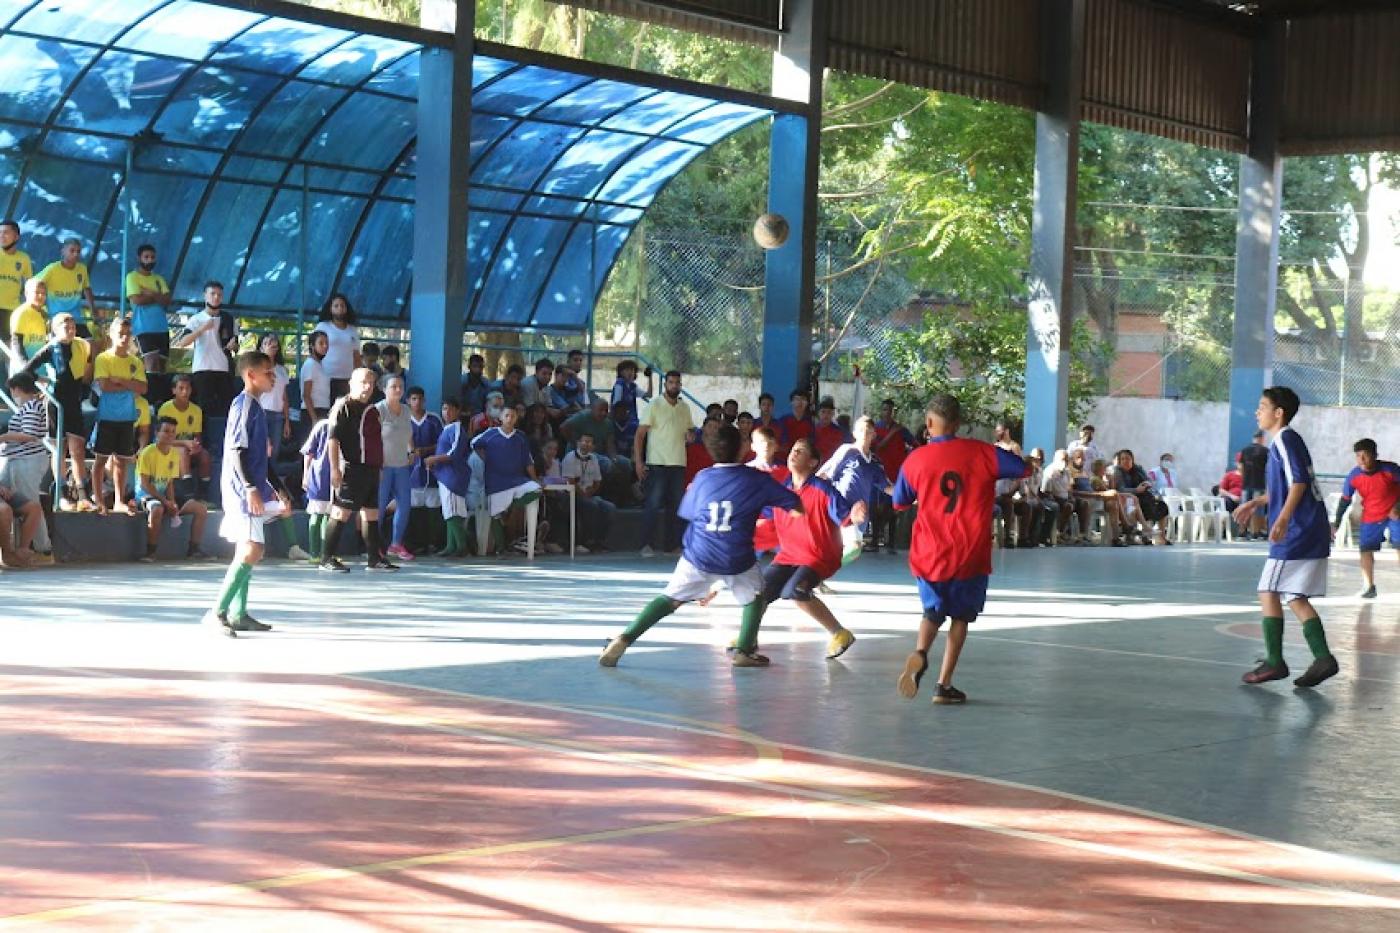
1389	871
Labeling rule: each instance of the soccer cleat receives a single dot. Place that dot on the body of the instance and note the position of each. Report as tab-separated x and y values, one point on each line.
949	695
219	621
1369	592
742	658
332	565
1318	671
914	667
838	643
616	648
296	553
1266	672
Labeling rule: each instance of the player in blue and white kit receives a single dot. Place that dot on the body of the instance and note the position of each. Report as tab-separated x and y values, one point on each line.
1300	540
316	480
451	464
859	476
720	510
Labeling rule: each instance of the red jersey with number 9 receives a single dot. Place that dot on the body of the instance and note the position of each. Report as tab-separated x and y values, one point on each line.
953	482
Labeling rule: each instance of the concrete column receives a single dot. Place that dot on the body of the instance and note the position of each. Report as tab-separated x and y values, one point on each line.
790	271
1054	205
1257	241
439	302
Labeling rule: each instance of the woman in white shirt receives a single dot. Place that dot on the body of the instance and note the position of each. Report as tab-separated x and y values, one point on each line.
274	401
337	322
315	382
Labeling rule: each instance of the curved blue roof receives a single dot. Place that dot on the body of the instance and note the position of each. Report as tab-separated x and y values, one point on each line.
235	119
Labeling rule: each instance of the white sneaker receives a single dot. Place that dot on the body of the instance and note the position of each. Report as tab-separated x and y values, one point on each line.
296	553
580	549
647	551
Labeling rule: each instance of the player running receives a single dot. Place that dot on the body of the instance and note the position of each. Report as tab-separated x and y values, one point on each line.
1378	482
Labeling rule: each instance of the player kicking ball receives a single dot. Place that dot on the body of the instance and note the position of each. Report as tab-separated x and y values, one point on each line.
1299	543
809	544
720	510
953	481
1378	482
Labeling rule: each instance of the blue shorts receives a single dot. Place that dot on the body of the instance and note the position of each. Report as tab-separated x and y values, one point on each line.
958	599
1373	534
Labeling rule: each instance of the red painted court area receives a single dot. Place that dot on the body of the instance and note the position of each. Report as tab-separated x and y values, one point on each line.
167	801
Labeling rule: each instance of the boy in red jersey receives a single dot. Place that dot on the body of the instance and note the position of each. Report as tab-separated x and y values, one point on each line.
953	481
810	543
1378	482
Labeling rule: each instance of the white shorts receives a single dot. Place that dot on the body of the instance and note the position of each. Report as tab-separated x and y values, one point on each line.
689	583
1293	579
237	528
453	505
318	507
498	502
426	497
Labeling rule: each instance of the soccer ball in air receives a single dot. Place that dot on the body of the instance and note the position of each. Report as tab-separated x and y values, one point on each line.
770	231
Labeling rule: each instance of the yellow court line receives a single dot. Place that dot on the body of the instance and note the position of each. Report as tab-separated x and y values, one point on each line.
316	876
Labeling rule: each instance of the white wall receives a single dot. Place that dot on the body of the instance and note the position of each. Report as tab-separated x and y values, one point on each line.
1197	433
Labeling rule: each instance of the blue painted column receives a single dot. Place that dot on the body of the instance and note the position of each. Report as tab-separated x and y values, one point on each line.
790	271
439	302
1256	243
1054	204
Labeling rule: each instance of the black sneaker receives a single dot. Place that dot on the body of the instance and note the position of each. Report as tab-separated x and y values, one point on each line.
381	565
1266	672
332	565
249	624
948	695
1318	671
914	667
219	621
1369	592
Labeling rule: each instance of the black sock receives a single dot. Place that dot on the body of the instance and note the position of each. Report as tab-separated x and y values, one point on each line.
331	543
372	545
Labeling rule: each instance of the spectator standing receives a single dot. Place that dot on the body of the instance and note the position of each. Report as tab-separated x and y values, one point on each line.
157	468
337	322
70	288
149	295
66	363
15	270
208	333
828	435
626	393
1254	464
315	379
24	461
29	322
475	385
797	424
396	479
427	428
1006	500
765	416
120	375
697	456
659	455
391	364
274	402
1085	442
450	462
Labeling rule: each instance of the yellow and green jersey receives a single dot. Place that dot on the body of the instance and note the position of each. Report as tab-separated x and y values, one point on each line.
15	270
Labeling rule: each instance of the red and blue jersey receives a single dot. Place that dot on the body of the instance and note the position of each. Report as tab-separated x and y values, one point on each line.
1379	491
813	539
1309	533
953	481
720	510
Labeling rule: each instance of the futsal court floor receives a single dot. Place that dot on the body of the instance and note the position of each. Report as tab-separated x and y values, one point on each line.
439	750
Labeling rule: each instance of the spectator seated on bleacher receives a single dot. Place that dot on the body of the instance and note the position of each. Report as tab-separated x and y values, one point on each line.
24	463
157	468
595	514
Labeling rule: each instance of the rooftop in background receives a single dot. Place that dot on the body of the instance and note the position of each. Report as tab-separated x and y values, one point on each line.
237	123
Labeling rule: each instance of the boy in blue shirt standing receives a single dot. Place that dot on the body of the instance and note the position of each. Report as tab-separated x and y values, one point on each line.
720	510
247	494
1300	540
451	465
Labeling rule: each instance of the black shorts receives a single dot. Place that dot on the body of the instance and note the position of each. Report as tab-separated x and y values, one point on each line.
154	343
70	404
358	489
789	581
212	392
115	439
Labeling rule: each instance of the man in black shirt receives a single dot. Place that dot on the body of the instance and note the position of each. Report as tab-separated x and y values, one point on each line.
356	454
1254	462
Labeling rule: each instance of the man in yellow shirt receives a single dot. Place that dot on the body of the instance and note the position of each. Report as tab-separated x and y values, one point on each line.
189	431
15	270
157	469
70	287
659	455
29	322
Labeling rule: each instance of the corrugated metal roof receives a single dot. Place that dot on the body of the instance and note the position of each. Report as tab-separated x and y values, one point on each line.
1341	84
1156	70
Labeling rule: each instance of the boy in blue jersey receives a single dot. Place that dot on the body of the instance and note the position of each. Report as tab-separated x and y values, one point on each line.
1378	482
451	464
512	488
247	494
720	510
316	479
1300	540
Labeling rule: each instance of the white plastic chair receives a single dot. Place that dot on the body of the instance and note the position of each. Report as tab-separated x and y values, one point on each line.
1180	524
1212	519
483	528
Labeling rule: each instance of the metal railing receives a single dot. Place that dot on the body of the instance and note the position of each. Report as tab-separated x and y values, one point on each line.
54	445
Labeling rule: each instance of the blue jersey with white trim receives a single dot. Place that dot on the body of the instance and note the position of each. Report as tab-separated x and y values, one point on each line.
720	510
1309	532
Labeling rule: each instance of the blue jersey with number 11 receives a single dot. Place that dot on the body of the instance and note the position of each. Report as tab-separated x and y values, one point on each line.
720	510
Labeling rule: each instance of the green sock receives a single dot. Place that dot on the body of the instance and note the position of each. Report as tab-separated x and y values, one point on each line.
289	530
457	528
239	608
1317	638
232	581
315	534
527	499
498	534
1273	640
748	630
652	613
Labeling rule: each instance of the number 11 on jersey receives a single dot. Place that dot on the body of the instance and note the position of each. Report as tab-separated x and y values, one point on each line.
720	515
